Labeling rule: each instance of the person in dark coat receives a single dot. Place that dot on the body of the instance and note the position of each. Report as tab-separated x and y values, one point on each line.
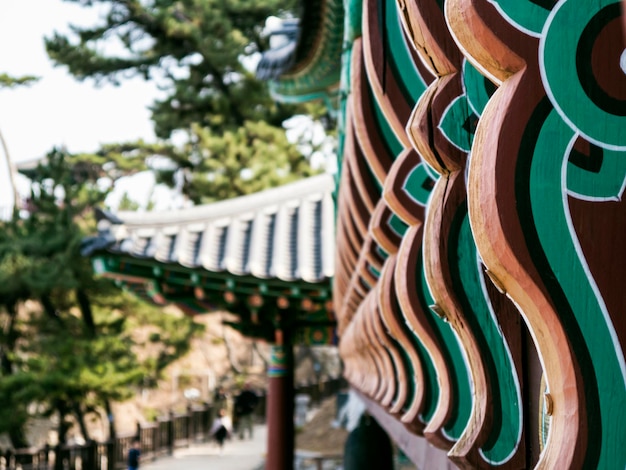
245	404
220	399
134	455
368	447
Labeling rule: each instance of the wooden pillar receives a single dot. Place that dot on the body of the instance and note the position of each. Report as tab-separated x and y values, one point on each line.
280	398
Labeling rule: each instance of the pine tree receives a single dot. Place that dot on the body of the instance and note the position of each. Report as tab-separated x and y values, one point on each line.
8	81
77	354
195	50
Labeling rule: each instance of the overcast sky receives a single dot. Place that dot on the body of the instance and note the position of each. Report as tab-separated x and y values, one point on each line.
58	110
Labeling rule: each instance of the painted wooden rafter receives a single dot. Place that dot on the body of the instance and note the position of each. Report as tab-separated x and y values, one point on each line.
535	234
503	194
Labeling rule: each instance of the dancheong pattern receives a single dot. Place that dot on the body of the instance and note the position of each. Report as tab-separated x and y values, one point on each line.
478	287
479	265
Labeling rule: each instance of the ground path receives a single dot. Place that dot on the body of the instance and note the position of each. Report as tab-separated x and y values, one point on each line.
248	454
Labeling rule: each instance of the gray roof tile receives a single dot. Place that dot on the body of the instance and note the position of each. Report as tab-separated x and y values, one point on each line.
285	233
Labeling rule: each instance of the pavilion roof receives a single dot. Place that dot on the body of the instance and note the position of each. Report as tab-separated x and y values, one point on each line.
307	64
284	233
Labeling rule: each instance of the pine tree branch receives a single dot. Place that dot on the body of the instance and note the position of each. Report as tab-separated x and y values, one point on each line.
85	309
266	361
50	310
229	353
80	419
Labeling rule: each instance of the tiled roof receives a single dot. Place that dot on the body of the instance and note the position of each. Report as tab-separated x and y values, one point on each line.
307	64
277	60
285	233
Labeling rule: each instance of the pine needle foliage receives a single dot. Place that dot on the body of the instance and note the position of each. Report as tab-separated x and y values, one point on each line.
67	341
228	138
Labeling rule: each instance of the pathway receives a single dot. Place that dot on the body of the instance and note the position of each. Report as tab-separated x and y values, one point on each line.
237	455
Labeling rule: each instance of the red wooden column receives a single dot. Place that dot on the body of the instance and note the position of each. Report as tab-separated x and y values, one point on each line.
280	403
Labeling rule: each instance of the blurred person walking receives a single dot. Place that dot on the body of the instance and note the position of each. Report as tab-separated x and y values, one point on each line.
245	405
221	429
134	455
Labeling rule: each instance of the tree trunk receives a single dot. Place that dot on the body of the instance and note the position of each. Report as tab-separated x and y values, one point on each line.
229	354
63	427
18	438
111	421
85	309
266	361
49	308
80	418
9	333
16	434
